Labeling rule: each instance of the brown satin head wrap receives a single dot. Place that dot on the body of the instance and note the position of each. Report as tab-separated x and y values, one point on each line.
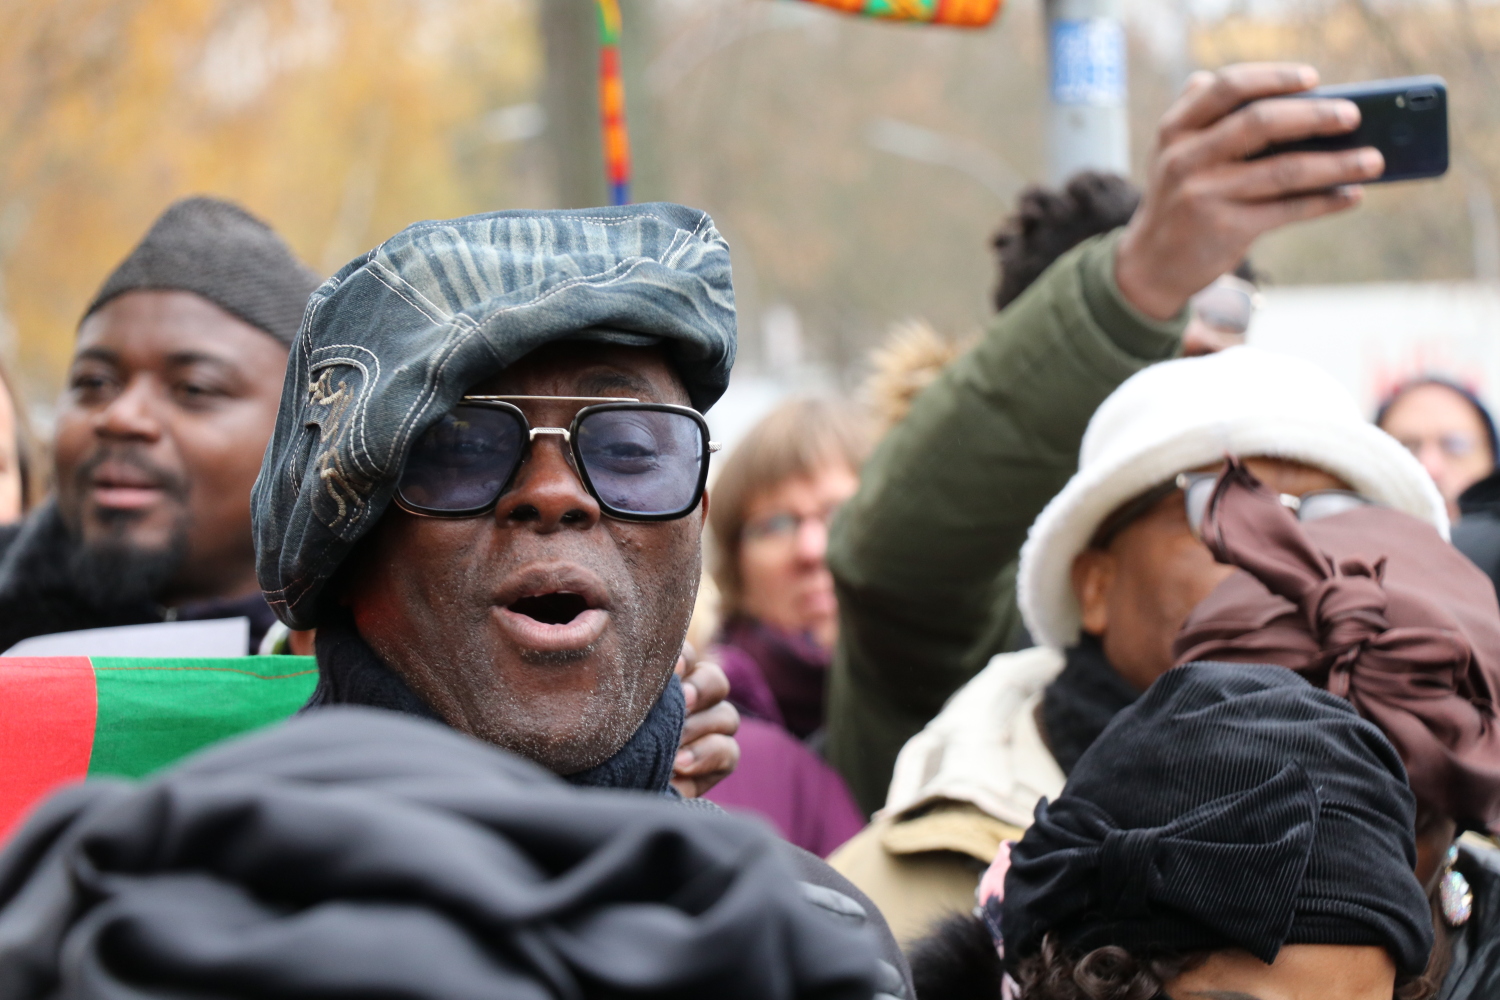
1375	607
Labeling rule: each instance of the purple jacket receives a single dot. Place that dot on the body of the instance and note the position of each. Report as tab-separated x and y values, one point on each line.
781	780
774	675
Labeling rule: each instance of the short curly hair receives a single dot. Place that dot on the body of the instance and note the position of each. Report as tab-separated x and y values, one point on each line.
1048	223
1112	973
1109	973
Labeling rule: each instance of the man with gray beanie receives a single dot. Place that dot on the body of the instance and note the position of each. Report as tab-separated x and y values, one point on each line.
485	490
170	400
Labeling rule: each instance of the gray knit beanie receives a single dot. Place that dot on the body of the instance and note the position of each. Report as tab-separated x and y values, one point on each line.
218	250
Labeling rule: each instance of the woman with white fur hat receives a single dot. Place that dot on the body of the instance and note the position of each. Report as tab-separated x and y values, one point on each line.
1108	574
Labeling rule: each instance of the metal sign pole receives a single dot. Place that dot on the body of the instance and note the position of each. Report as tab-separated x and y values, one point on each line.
1088	127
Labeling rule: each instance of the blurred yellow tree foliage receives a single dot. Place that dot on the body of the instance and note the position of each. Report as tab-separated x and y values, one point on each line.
338	121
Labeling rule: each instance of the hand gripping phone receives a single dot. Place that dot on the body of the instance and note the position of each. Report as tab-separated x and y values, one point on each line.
1406	119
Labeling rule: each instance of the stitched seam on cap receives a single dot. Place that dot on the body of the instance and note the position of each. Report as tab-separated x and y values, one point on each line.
386	276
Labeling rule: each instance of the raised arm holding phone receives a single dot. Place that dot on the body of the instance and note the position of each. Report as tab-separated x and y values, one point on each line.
924	554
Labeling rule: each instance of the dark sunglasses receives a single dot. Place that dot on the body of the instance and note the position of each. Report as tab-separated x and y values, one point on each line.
640	461
1198	491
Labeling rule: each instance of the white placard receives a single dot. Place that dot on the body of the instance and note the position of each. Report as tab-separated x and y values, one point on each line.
214	637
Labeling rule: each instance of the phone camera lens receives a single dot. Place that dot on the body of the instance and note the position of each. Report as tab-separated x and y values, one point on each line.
1421	98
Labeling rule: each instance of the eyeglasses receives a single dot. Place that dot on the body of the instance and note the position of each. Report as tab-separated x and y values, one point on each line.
784	527
640	461
1454	444
1228	304
1198	490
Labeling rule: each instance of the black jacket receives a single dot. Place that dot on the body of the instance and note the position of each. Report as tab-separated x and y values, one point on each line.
350	674
362	853
38	595
1477	533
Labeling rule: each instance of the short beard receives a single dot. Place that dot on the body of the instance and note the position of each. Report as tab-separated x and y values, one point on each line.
111	572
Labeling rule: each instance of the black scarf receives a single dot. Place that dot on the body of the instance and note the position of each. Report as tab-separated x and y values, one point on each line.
349	673
1081	701
38	595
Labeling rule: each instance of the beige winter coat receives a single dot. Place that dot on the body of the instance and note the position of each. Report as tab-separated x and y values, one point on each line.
969	780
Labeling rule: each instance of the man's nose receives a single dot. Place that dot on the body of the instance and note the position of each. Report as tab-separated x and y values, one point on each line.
547	492
130	416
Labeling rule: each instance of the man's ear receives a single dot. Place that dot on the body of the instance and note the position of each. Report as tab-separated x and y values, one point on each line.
1093	579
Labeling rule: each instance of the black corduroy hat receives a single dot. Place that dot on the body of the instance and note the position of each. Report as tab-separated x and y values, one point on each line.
1232	806
216	249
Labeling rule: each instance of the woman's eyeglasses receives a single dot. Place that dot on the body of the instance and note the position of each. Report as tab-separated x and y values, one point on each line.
1198	490
640	461
783	527
1228	304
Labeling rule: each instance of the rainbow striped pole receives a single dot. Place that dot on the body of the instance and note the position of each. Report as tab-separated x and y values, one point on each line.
612	105
957	13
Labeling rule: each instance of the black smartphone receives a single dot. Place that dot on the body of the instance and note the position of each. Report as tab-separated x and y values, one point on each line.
1406	119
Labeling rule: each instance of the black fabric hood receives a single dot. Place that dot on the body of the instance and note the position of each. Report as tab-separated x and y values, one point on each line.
360	853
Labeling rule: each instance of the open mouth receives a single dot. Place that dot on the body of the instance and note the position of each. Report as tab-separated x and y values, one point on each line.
551	609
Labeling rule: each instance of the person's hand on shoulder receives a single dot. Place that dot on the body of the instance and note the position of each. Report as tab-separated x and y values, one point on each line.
708	751
1205	202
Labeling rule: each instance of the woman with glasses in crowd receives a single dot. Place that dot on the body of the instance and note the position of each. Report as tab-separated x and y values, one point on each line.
769	514
1453	435
1447	428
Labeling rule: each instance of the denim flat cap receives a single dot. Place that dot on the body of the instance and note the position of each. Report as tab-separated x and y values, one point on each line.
390	343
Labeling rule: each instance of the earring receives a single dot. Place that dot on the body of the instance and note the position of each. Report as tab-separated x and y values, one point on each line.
1454	894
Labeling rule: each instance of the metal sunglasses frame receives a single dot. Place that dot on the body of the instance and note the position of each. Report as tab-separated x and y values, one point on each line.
1256	299
569	435
1185	481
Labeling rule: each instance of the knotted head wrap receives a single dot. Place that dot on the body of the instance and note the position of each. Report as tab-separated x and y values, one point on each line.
1375	607
1232	806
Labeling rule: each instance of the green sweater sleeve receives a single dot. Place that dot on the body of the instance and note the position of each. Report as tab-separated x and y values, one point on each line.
924	554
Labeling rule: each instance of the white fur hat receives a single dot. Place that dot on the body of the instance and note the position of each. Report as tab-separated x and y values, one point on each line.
1191	412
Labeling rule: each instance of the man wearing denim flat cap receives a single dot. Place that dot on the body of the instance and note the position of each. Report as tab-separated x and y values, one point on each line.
485	487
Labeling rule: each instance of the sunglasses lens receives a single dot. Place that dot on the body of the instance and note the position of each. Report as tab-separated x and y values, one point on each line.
1316	506
1198	492
463	461
646	462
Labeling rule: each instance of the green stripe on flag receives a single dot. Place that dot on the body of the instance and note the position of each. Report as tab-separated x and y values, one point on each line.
153	712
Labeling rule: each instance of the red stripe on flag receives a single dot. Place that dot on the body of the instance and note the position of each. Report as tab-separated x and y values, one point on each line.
47	711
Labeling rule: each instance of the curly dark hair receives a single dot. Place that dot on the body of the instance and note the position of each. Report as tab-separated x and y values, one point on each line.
957	961
1049	223
1109	973
1112	973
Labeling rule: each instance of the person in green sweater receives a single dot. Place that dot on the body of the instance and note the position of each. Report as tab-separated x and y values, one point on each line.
924	555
